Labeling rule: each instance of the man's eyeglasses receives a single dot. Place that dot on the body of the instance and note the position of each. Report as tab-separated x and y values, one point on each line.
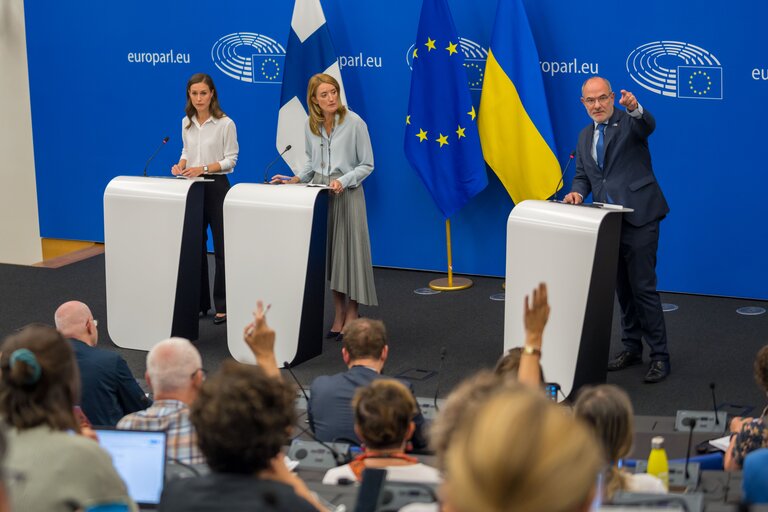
600	99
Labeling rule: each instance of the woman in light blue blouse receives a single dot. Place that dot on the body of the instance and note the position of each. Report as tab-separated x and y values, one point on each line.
339	155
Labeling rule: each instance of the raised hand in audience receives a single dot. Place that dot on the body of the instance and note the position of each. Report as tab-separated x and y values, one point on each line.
260	338
535	316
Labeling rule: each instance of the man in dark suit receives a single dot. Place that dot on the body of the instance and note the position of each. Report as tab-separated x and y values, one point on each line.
107	387
364	350
614	163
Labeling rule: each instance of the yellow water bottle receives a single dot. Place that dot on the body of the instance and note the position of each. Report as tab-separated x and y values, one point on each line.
658	465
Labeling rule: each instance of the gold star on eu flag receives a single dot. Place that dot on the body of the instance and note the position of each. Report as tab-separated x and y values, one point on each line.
407	119
415	53
460	132
472	113
430	44
422	135
451	48
442	139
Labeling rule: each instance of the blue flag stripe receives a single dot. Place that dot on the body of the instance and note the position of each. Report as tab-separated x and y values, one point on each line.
303	60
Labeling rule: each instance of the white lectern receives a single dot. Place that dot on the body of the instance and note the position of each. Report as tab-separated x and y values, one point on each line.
275	250
574	250
152	238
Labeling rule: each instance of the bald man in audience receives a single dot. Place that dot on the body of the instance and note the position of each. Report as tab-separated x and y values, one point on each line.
107	387
175	375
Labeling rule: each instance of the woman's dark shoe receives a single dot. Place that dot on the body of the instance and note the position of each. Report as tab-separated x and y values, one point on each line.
218	320
332	334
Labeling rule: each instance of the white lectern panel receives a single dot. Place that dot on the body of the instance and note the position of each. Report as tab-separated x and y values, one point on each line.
144	221
270	234
573	249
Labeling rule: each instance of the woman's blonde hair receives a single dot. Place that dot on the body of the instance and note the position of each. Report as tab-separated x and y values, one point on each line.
316	117
463	401
608	410
521	452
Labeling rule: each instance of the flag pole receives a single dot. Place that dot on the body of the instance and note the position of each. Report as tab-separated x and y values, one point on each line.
451	283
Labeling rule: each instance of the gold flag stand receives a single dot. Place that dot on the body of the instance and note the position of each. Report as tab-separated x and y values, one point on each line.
451	283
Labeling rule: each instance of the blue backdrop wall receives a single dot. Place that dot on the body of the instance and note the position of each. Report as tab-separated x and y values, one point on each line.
107	83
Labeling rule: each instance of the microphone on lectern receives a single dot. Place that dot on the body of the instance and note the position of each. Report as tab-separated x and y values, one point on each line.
165	141
273	162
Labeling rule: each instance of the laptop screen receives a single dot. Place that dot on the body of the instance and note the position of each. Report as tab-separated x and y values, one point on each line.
139	458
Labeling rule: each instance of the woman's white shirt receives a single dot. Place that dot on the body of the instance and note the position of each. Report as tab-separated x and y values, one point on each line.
213	141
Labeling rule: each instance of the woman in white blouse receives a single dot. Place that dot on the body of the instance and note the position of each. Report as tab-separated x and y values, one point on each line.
339	155
210	149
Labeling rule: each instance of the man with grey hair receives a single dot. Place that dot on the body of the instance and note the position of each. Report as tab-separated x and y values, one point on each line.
175	375
107	386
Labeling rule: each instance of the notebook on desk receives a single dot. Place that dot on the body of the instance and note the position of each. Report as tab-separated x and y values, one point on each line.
139	458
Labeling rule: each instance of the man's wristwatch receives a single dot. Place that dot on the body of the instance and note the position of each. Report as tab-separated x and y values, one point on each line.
205	168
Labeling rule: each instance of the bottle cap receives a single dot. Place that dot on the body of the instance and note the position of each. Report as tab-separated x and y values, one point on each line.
657	442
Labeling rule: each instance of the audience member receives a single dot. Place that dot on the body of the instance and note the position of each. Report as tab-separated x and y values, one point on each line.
749	434
754	482
364	351
108	388
523	364
384	412
513	449
39	387
5	505
243	417
463	401
608	410
174	373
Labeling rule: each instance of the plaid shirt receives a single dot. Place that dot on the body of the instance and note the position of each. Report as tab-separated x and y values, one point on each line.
172	417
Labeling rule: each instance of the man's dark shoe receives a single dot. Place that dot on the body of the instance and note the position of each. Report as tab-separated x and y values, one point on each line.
624	360
657	372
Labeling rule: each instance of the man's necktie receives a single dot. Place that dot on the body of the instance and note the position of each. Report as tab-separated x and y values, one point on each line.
600	147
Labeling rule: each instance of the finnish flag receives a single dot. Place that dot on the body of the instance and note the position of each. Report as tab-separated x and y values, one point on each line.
309	51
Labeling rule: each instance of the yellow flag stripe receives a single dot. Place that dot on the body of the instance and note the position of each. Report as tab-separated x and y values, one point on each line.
512	145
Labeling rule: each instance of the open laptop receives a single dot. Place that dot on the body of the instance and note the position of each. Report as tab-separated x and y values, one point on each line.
139	458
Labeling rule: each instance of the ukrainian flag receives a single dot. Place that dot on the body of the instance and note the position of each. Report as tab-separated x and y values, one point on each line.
514	124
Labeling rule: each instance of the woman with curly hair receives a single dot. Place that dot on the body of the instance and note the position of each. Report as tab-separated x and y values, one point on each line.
243	418
749	434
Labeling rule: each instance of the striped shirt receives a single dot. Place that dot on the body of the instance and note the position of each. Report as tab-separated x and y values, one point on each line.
172	417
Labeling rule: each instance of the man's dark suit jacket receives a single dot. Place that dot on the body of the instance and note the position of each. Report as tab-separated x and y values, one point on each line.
628	177
330	405
107	386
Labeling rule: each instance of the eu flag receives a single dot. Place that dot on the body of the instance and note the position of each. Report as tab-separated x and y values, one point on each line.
441	139
700	82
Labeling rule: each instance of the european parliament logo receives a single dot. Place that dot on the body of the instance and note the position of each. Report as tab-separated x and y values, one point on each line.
677	69
474	61
249	57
